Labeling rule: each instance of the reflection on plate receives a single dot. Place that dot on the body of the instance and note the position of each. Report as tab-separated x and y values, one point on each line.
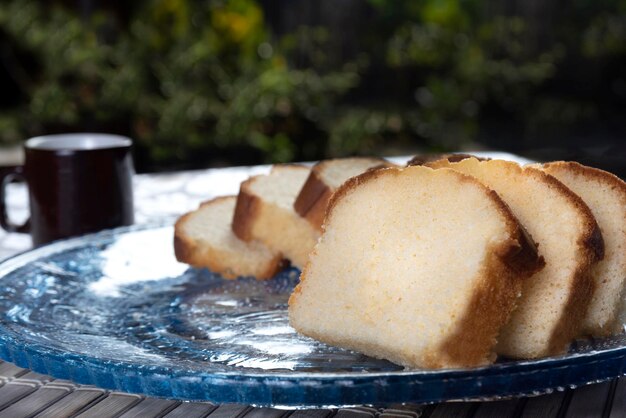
116	310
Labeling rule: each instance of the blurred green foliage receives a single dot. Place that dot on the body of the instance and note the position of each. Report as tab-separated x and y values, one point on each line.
191	80
180	79
469	65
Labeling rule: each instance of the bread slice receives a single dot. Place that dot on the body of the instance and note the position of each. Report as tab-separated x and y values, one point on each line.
204	238
325	177
265	212
554	301
423	159
418	266
605	194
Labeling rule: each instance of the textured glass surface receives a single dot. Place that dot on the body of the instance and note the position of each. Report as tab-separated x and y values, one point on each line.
116	310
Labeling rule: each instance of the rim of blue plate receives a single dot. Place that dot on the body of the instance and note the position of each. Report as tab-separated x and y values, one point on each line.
539	376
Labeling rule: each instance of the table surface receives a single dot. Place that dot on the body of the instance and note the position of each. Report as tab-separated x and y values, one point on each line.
159	197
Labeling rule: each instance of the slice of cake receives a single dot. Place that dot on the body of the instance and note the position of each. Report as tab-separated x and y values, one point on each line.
325	177
423	159
605	194
204	238
418	266
555	300
265	212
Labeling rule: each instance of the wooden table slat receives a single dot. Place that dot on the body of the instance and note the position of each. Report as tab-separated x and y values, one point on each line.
150	407
265	413
498	409
311	413
111	406
191	410
545	406
352	413
35	377
618	408
229	410
68	383
453	410
35	402
10	370
72	403
410	407
14	391
410	413
588	401
369	409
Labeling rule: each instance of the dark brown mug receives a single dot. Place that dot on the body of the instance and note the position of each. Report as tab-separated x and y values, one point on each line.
77	183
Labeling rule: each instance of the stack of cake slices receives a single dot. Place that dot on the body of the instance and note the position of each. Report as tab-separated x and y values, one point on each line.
447	262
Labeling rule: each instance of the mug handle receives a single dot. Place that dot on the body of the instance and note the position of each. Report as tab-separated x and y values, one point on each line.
7	176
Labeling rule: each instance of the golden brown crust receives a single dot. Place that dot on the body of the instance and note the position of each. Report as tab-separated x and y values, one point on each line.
313	199
591	242
288	166
189	252
277	265
590	172
183	246
594	240
353	182
246	211
569	324
383	164
215	200
453	158
523	256
582	285
494	296
595	243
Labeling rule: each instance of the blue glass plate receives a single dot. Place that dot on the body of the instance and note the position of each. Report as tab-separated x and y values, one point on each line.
116	310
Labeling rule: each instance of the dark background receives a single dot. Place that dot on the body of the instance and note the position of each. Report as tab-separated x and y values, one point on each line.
210	83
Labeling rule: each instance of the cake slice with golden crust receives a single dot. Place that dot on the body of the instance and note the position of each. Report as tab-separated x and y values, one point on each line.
418	266
265	212
605	194
554	301
423	159
325	177
204	238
